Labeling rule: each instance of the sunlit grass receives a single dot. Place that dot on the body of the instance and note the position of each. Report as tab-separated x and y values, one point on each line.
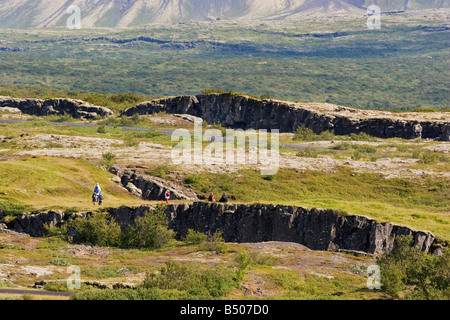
59	183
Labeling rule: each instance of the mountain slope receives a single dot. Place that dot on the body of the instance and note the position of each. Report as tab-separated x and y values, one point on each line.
123	13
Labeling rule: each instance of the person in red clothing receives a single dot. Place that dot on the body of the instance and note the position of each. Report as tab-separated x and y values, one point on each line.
212	198
167	196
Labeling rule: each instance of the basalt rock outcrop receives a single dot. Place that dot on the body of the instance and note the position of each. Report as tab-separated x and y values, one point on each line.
317	229
235	111
36	224
75	108
151	188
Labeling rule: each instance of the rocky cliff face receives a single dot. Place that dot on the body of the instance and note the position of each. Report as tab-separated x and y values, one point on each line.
75	108
316	229
36	224
236	111
151	188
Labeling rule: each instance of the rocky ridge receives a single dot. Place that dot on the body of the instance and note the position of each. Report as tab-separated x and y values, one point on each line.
317	229
75	108
151	188
237	111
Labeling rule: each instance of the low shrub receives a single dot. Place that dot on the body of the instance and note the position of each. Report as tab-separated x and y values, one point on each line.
212	282
149	232
262	259
109	159
101	129
133	294
59	261
270	177
220	127
215	242
160	171
97	229
147	134
407	272
195	238
430	157
61	118
308	153
192	179
305	134
130	141
356	156
212	91
126	98
362	136
356	147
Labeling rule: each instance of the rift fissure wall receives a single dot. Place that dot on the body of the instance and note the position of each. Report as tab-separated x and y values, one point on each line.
317	229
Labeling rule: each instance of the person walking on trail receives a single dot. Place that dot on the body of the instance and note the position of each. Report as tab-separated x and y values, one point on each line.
97	189
167	196
224	198
97	197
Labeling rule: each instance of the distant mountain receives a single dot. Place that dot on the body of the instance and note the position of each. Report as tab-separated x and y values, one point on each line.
126	13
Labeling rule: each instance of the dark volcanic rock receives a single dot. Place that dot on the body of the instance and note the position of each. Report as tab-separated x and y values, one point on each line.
317	229
74	108
36	224
242	112
152	188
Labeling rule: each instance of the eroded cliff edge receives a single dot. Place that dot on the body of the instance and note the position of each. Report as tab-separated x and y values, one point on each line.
236	111
317	229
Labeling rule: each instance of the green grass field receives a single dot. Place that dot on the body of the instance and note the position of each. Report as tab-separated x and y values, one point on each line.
43	183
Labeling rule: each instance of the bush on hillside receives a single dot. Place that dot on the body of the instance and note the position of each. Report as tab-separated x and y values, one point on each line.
407	272
208	282
150	231
96	229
